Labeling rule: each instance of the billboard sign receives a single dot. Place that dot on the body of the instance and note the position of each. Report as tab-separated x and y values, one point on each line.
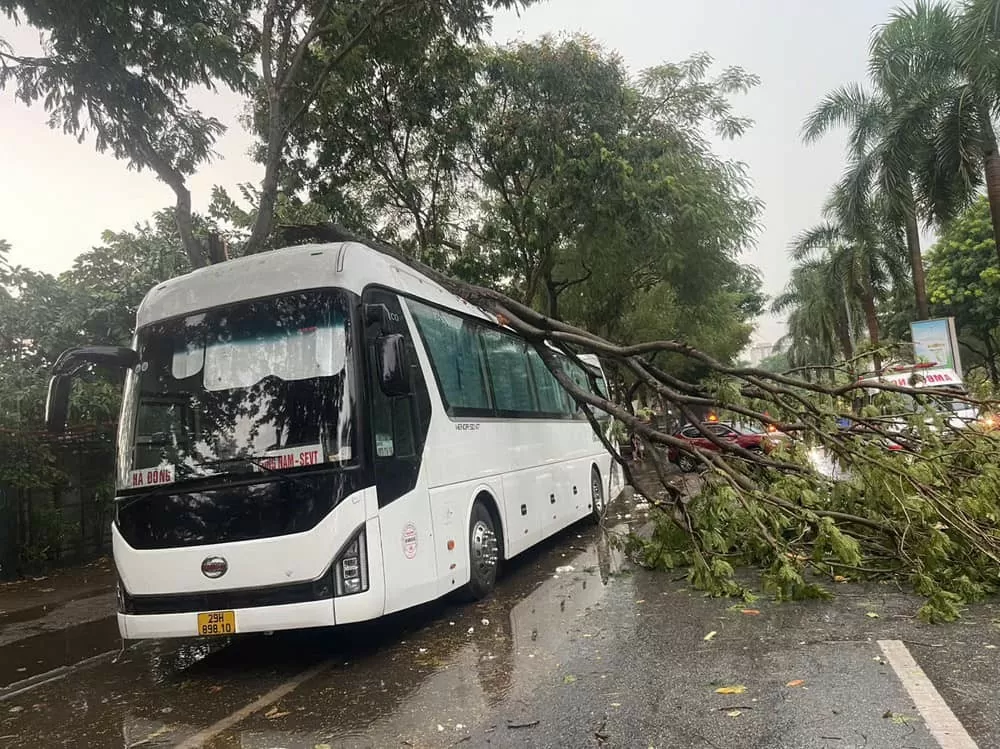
935	342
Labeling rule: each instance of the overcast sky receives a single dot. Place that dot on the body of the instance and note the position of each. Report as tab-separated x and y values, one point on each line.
57	196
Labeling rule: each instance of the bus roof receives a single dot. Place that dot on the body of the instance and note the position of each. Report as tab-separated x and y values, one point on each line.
348	265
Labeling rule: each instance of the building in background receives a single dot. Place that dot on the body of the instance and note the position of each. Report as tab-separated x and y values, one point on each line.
759	352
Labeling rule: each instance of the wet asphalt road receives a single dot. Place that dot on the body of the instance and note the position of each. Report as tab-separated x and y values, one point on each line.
593	657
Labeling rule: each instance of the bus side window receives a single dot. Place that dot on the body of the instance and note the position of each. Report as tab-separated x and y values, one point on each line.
580	379
551	397
507	361
452	343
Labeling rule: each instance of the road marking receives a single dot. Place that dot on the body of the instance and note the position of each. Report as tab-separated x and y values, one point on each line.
200	738
940	720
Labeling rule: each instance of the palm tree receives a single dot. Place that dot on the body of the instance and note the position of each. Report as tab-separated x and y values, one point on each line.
874	162
865	258
820	315
943	68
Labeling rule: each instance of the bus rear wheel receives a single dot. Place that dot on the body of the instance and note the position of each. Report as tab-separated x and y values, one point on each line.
596	495
484	553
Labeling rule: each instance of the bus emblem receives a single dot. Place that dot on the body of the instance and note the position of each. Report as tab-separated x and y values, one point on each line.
214	567
410	541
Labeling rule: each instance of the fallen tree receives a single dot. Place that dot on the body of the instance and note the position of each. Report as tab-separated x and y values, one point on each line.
917	499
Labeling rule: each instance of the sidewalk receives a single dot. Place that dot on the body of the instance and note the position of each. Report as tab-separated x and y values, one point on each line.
50	622
55	589
62	599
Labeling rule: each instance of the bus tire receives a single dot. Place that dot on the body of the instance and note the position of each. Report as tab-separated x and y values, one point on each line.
596	495
484	553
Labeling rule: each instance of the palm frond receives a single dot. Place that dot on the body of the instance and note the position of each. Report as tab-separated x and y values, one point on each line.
851	198
920	42
979	39
958	135
819	237
848	106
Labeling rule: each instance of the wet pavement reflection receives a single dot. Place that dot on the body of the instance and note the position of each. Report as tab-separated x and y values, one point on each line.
45	652
574	649
426	688
428	671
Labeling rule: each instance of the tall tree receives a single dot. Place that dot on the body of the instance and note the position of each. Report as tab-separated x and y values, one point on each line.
866	259
122	72
574	173
941	63
821	314
380	149
545	122
875	163
305	50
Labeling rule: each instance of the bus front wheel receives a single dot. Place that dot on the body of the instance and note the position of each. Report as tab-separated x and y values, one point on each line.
484	555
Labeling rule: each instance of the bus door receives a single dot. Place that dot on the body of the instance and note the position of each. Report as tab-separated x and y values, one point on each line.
398	428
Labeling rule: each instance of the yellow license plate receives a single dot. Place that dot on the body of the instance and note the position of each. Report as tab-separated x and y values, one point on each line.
217	623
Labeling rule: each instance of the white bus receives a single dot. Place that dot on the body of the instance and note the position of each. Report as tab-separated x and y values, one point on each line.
321	435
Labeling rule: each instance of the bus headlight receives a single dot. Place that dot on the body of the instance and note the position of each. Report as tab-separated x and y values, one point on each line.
351	570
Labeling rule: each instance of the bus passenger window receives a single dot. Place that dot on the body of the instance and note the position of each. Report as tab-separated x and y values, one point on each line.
508	364
453	346
551	398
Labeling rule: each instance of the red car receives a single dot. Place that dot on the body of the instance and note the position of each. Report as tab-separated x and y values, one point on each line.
749	438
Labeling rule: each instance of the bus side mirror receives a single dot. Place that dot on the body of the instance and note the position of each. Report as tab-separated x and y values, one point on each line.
57	403
69	363
393	369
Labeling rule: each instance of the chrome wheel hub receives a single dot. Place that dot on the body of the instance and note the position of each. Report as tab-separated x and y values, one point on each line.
484	549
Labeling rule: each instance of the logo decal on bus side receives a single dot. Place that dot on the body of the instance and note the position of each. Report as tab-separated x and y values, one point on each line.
410	541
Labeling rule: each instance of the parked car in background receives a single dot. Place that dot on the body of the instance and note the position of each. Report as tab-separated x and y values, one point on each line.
753	438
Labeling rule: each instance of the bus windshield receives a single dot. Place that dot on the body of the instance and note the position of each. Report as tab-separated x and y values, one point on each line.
266	381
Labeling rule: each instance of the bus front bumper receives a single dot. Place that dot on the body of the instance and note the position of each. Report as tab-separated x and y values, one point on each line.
258	619
323	613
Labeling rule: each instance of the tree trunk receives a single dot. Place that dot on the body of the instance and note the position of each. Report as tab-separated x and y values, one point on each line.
871	319
916	265
182	209
185	226
991	359
552	297
844	336
264	220
630	396
991	159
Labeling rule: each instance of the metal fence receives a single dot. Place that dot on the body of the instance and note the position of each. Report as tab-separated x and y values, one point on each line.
58	512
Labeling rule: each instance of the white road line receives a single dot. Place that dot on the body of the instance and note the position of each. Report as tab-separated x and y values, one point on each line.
246	711
940	720
33	682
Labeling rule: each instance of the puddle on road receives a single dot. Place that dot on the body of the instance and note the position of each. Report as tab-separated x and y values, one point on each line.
41	653
455	668
391	677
